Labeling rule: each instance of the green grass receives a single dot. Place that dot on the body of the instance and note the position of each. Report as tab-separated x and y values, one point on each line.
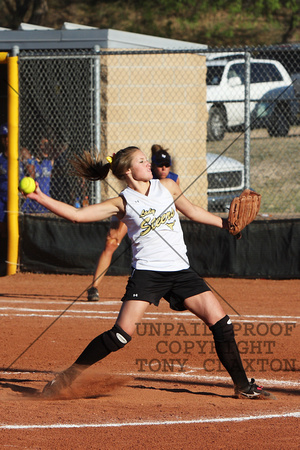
274	168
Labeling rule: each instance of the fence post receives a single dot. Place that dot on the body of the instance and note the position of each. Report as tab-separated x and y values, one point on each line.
97	116
247	120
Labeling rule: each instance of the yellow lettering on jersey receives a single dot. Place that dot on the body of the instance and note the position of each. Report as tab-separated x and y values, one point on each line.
171	225
149	224
146	213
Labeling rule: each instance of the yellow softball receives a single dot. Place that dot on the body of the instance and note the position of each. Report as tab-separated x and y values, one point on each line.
27	185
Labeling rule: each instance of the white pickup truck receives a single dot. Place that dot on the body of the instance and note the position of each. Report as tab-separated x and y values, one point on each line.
226	90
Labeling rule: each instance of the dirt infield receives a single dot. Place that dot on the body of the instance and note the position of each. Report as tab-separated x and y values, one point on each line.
166	389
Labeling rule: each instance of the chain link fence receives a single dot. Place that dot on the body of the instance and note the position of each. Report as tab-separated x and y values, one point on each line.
230	119
56	120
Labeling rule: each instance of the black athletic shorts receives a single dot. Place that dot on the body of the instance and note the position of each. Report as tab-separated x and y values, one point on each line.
175	287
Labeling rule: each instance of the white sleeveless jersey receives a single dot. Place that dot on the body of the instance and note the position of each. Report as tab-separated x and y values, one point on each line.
154	229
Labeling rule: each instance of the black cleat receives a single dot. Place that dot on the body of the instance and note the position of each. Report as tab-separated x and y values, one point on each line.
62	381
252	391
93	295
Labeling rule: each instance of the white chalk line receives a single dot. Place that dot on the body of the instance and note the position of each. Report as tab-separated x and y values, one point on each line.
118	303
114	314
178	377
295	414
209	378
153	315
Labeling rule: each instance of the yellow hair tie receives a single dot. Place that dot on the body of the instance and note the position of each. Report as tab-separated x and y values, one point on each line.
109	159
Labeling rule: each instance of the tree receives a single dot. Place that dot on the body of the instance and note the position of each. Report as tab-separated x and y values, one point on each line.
31	11
293	21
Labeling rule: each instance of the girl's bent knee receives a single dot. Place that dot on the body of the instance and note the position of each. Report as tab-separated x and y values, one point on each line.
111	244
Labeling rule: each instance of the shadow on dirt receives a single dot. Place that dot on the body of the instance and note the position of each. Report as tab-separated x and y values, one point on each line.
24	390
273	389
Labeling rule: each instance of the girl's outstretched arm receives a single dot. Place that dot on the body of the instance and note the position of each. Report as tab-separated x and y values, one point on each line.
92	213
191	211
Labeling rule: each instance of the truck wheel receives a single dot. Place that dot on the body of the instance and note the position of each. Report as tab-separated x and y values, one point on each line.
216	125
279	125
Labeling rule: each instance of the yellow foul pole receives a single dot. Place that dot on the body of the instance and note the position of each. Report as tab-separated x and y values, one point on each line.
13	165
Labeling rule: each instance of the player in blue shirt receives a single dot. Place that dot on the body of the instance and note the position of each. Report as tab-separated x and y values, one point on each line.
161	164
42	167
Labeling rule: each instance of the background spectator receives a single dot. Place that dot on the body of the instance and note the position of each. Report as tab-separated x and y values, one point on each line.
40	168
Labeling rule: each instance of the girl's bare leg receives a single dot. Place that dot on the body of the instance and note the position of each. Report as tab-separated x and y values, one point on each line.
131	313
114	238
206	307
